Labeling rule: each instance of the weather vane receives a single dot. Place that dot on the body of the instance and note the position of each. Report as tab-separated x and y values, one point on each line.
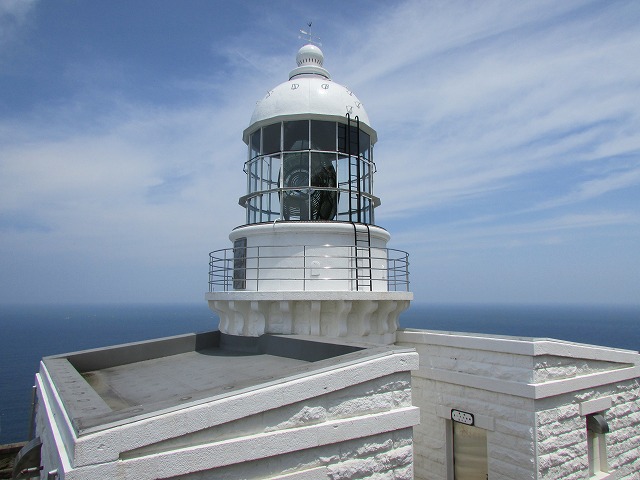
308	37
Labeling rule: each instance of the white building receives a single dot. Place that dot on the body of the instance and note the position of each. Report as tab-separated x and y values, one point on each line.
540	408
308	376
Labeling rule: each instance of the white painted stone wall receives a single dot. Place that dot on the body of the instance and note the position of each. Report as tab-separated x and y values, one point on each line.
48	453
312	256
509	419
354	421
370	317
562	435
387	455
532	396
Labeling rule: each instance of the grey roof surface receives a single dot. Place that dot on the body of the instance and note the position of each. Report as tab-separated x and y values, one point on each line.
183	375
114	385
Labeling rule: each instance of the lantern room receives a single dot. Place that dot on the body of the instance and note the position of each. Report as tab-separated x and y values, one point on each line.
310	151
310	170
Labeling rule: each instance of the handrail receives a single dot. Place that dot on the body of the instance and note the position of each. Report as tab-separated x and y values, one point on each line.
307	267
242	201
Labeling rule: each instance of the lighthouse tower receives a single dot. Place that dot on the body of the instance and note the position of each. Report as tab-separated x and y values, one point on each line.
310	259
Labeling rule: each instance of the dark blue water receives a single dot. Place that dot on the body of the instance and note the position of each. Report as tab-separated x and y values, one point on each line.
611	326
31	332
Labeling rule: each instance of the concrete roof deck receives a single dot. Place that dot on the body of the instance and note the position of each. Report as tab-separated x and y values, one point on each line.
108	386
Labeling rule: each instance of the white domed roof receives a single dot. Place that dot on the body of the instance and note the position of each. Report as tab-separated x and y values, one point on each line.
309	93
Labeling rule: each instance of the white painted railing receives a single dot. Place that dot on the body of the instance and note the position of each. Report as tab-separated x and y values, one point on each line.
308	268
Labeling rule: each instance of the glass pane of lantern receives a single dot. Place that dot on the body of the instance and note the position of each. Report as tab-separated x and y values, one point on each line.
323	135
271	139
252	209
296	170
274	171
252	166
273	206
342	137
347	136
366	210
343	207
343	171
259	208
323	204
354	140
295	201
365	173
323	175
295	204
296	135
266	174
365	140
255	144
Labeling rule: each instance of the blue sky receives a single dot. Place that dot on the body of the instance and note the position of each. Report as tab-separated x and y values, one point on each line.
508	154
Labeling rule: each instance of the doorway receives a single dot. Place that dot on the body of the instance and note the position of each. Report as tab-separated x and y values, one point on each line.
469	452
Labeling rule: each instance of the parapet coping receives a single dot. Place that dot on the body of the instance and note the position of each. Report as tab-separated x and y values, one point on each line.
530	346
625	363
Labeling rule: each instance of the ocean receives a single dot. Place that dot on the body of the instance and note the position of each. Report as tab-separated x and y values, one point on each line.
31	332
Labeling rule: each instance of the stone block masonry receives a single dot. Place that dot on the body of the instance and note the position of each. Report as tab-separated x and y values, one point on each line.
532	397
562	434
378	456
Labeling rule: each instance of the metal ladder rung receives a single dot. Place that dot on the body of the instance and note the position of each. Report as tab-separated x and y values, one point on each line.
362	240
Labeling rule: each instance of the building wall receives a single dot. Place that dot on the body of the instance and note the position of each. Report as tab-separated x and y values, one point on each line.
49	456
360	428
508	419
387	455
312	256
562	434
531	396
351	316
561	420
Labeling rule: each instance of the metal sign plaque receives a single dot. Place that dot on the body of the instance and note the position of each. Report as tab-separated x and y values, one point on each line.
462	417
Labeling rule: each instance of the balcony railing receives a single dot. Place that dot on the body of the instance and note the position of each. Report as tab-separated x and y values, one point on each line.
308	268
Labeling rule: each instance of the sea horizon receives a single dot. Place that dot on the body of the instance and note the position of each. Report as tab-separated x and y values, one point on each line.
32	331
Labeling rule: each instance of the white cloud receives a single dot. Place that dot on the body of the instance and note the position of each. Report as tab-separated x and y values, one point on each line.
496	233
594	188
105	188
467	101
498	123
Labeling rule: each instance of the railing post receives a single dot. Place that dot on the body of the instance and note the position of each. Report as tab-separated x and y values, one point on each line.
225	272
32	417
353	271
406	271
388	272
228	272
258	269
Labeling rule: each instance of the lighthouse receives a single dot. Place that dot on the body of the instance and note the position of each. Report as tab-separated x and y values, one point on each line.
302	379
310	259
308	375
